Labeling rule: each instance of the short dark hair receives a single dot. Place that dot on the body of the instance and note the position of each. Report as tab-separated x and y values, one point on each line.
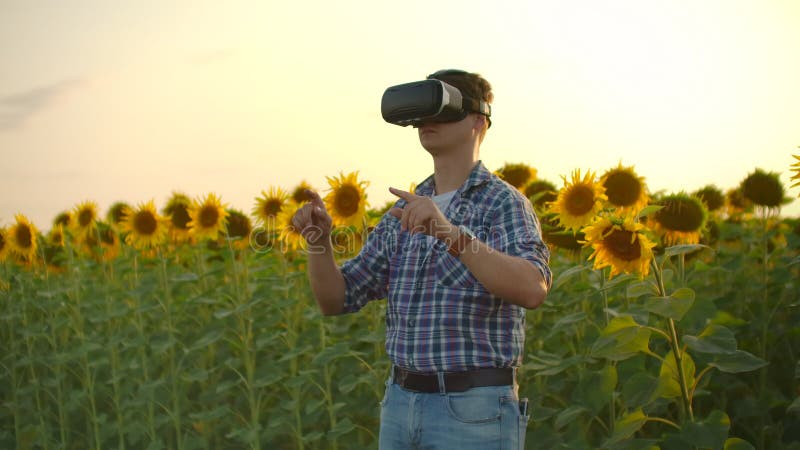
471	85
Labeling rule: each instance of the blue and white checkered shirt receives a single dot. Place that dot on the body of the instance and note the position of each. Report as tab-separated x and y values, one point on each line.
439	317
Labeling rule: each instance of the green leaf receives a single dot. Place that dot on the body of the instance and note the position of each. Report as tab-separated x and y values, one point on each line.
596	390
683	249
668	377
341	428
569	273
737	444
714	339
738	362
568	415
709	433
650	209
328	354
639	389
621	339
672	307
639	288
625	426
794	408
216	413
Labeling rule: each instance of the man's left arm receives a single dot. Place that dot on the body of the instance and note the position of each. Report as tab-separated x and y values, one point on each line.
514	267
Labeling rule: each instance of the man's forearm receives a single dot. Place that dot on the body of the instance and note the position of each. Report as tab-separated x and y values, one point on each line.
327	282
508	277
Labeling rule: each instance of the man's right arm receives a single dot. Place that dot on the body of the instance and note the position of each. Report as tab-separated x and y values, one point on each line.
327	282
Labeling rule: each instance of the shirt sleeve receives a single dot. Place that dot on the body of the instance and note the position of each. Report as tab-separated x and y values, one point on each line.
366	276
515	230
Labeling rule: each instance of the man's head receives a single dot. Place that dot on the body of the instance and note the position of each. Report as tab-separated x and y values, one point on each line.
471	85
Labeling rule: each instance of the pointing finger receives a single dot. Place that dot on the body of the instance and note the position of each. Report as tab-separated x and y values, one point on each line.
315	198
407	196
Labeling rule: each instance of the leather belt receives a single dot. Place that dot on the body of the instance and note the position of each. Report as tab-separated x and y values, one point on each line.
453	381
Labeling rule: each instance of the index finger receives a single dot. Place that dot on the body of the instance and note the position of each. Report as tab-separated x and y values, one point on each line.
315	198
407	196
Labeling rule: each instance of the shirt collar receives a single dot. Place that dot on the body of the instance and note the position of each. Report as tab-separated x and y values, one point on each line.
479	175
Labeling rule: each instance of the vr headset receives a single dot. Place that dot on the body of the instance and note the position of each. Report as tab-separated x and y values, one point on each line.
430	100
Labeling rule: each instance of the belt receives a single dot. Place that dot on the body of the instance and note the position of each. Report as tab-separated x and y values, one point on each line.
453	381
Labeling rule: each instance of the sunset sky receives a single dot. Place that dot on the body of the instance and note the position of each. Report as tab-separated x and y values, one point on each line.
132	100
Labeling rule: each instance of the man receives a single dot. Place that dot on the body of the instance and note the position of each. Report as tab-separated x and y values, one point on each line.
459	260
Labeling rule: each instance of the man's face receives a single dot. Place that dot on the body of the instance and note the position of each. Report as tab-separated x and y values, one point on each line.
441	137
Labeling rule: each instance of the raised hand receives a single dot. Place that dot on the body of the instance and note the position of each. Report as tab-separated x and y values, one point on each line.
421	215
312	219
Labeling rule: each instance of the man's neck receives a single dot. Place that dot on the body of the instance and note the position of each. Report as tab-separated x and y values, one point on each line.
450	171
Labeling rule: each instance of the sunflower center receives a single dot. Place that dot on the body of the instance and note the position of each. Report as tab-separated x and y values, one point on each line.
622	188
346	200
180	217
238	226
107	236
579	200
763	189
24	237
517	176
209	216
272	207
680	215
620	245
145	223
85	217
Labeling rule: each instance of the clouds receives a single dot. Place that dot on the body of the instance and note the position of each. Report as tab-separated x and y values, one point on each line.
15	109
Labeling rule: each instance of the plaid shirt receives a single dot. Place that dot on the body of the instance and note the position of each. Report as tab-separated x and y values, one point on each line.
439	317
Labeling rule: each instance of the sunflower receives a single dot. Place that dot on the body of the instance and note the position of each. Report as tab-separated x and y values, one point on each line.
109	241
299	194
84	218
21	238
540	193
54	258
763	189
145	228
556	236
208	217
63	219
346	241
578	201
116	214
3	244
516	174
289	236
269	205
736	203
347	201
238	229
796	169
625	189
711	196
177	211
680	220
620	243
55	236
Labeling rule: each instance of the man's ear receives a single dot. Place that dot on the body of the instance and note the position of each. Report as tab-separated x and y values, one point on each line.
480	122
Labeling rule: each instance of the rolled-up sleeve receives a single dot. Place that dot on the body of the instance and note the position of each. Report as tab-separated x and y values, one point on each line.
516	231
366	276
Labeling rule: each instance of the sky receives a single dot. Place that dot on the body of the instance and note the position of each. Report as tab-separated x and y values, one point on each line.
131	100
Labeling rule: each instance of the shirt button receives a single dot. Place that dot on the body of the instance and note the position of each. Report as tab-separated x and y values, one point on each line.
411	322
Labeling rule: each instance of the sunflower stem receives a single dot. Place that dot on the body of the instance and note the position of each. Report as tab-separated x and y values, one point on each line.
686	402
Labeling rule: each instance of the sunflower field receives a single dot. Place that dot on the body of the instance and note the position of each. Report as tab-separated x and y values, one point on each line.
672	322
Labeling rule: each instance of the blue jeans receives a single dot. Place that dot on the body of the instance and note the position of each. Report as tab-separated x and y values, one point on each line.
482	418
